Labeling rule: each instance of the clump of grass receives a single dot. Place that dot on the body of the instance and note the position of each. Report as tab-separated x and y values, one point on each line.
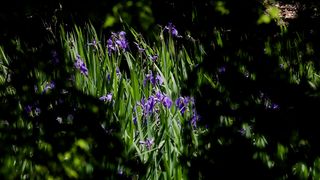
141	84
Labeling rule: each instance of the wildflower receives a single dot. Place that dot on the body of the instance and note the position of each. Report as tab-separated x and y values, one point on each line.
182	103
194	119
117	41
37	111
122	43
106	98
110	46
134	120
159	79
93	43
79	64
118	72
159	96
28	109
140	49
274	106
154	57
48	86
222	69
166	102
172	30
148	143
153	79
122	35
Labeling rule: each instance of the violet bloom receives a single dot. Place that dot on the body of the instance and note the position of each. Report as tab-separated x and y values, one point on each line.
222	69
153	79
110	46
79	64
274	106
148	143
154	57
182	103
122	44
118	72
166	101
140	49
28	109
121	41
106	98
37	111
93	43
122	35
194	119
159	79
48	86
149	106
172	30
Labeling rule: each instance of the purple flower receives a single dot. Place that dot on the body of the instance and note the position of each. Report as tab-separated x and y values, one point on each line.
154	57
122	44
28	109
172	30
145	105
48	86
116	42
222	69
182	103
93	43
274	106
153	79
79	64
159	79
106	98
122	35
166	101
118	72
37	111
135	120
148	143
140	49
194	119
110	46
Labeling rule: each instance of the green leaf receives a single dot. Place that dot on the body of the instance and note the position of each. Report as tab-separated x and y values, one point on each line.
264	19
109	22
83	144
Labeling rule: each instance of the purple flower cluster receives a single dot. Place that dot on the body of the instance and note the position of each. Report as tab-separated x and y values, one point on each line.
183	104
149	106
148	143
32	110
153	79
49	86
153	58
268	103
94	43
172	30
117	42
140	49
194	119
79	64
107	98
